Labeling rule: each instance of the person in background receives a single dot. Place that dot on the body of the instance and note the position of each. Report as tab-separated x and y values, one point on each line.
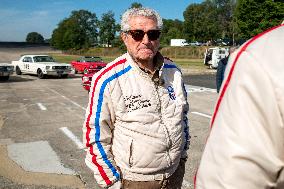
136	128
221	69
245	148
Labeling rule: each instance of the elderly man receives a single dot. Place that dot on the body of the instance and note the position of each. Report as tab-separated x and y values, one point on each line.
135	129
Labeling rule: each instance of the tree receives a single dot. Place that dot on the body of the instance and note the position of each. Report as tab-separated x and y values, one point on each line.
210	20
172	29
108	28
225	10
200	23
88	22
69	36
76	32
34	37
253	17
136	5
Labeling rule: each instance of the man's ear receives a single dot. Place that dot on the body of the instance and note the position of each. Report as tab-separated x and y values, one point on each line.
123	36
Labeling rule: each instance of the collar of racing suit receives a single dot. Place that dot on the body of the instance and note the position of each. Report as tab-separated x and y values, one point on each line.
158	66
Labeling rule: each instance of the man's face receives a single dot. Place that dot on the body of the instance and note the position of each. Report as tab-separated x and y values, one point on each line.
144	49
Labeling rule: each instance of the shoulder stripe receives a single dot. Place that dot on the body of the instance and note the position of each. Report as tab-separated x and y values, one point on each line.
100	169
171	66
232	70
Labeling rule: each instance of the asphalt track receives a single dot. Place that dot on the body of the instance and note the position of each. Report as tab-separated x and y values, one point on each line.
45	117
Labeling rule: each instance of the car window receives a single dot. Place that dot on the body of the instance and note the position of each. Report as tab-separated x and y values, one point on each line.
27	59
93	59
43	59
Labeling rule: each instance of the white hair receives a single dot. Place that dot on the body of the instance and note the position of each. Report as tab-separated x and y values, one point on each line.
146	12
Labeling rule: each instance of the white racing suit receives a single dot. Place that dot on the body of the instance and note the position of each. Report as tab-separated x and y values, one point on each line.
135	128
245	148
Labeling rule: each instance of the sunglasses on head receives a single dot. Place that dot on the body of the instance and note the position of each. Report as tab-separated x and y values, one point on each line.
138	35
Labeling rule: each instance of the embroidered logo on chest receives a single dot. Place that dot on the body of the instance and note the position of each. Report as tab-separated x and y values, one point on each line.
171	92
135	102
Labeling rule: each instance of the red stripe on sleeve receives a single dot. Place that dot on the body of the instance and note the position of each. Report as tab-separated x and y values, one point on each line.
100	168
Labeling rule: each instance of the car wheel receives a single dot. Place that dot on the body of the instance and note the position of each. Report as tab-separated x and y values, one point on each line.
18	71
4	78
40	74
64	76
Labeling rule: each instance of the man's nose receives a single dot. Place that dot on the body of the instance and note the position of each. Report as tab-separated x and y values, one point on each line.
145	39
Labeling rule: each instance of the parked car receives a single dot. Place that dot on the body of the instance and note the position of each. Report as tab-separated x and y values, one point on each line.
213	55
195	43
5	71
88	75
223	42
85	62
41	65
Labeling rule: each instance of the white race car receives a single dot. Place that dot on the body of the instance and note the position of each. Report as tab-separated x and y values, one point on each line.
41	65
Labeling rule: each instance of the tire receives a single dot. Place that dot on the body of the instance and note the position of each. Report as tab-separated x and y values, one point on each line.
40	74
64	76
4	78
18	71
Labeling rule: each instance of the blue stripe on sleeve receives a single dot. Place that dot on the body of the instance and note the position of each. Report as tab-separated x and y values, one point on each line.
97	119
186	119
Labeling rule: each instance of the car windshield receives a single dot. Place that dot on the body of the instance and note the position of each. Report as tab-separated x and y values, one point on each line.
92	59
43	59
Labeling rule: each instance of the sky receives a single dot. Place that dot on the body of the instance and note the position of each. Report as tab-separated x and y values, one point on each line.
20	17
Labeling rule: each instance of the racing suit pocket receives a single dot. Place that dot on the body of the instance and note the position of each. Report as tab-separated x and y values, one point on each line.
129	152
122	149
150	154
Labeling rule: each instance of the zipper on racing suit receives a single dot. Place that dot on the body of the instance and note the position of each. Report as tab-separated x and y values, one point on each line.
158	84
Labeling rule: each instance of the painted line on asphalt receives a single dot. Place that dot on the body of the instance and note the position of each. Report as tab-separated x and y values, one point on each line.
191	88
76	104
42	107
75	139
202	114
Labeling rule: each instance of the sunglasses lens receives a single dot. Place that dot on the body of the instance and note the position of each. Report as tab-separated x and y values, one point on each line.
153	34
137	35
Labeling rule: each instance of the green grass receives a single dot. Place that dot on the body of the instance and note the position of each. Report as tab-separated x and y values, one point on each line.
189	62
183	63
63	58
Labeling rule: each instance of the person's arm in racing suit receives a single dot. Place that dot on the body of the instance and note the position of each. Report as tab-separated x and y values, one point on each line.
97	134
